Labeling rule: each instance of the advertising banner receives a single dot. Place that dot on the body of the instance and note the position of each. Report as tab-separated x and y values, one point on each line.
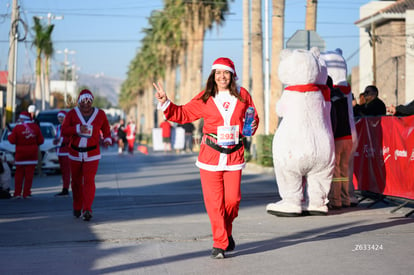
384	159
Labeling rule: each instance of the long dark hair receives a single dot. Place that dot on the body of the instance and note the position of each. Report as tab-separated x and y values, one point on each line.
211	87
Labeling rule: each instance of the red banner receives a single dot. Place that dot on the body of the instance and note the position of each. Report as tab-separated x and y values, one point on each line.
384	160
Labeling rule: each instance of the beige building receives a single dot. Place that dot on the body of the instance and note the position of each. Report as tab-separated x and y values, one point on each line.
386	56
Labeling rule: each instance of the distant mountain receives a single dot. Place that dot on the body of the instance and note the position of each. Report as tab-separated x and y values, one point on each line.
104	86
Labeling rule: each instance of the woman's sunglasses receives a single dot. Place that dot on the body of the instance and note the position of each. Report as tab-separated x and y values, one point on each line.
86	100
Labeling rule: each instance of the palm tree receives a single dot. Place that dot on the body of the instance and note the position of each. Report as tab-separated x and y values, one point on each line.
199	16
246	45
276	86
257	61
164	48
38	42
44	45
166	37
136	92
48	52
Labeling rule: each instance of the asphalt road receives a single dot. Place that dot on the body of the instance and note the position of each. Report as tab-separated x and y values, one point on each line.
149	218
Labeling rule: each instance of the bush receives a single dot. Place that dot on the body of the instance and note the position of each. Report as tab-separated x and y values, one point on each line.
264	150
144	138
247	148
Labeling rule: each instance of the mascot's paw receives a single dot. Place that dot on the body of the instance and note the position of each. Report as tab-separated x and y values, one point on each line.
283	209
311	210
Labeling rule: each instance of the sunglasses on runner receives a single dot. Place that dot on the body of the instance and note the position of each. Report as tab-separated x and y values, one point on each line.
86	100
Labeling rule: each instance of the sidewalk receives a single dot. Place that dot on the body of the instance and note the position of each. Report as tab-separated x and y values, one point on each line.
149	218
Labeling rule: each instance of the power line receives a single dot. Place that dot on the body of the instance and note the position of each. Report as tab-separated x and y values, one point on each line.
129	40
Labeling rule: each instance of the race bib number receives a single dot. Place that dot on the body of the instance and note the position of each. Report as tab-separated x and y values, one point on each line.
228	135
88	132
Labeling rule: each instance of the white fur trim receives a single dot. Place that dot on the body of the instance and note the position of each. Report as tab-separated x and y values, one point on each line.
84	157
214	168
224	67
26	162
24	117
31	109
109	140
164	106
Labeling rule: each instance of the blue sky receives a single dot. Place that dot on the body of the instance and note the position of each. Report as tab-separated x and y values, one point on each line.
106	34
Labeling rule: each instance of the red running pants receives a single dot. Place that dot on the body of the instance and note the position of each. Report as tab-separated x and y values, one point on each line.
24	173
221	191
83	183
65	170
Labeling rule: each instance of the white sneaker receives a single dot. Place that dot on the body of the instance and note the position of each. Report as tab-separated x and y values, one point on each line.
316	210
283	209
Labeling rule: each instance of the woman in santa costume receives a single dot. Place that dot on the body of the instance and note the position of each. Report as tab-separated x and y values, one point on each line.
83	126
27	137
222	105
63	154
130	136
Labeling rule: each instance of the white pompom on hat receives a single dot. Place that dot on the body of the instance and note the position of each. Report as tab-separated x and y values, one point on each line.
61	114
224	63
25	116
31	108
85	94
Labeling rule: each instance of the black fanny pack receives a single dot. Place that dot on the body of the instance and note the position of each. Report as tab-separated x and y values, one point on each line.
223	150
82	149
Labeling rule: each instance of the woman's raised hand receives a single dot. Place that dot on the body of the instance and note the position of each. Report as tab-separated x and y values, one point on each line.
160	95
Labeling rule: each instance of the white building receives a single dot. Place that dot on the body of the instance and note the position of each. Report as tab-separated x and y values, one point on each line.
68	88
386	57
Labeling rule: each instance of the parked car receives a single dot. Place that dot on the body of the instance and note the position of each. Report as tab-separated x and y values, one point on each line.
49	116
50	159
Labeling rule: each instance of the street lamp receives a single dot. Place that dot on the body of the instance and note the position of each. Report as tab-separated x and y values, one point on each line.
65	71
49	17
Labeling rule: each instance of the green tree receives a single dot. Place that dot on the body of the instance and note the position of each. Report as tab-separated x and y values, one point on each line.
48	51
44	46
101	102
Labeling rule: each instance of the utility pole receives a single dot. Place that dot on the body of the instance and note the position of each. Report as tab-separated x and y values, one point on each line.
267	65
74	69
65	71
310	24
12	66
374	57
311	8
396	59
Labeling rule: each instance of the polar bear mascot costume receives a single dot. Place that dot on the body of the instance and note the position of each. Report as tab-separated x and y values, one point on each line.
337	70
303	145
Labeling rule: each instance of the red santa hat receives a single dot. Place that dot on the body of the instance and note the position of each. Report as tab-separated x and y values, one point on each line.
61	114
85	94
224	63
25	116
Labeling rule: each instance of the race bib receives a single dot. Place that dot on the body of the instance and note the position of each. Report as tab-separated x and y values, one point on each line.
88	132
228	135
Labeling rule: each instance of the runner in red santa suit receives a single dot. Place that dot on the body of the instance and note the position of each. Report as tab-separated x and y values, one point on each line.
83	126
223	106
27	137
130	132
63	154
